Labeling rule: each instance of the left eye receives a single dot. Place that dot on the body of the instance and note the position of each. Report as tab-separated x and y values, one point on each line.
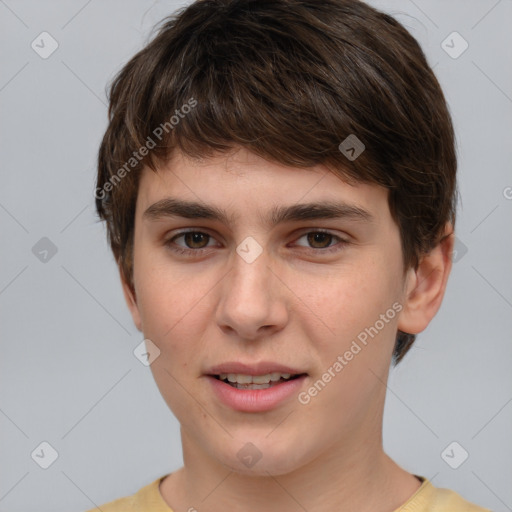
320	239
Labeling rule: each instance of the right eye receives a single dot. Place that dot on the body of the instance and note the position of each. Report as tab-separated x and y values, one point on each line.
195	242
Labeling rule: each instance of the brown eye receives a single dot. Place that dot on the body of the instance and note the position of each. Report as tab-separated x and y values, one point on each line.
319	240
196	239
190	243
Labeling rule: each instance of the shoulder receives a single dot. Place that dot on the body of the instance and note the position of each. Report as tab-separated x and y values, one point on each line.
448	500
429	498
146	499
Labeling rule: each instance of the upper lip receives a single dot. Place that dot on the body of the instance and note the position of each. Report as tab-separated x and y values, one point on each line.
261	368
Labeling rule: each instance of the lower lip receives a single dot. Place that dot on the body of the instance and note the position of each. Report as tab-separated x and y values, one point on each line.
255	400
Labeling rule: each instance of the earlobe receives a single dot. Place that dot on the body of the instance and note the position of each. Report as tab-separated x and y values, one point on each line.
131	300
425	286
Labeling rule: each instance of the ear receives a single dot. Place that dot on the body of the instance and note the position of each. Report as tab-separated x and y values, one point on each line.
426	285
131	300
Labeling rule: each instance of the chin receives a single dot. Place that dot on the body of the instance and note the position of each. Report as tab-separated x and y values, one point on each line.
262	459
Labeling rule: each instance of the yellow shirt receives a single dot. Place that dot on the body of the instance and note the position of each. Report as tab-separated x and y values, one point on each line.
426	499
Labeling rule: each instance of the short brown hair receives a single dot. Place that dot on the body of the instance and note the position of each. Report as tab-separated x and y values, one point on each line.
289	80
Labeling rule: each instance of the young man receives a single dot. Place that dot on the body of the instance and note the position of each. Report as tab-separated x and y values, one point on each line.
278	180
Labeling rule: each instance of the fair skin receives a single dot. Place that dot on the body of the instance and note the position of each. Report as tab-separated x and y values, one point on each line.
301	303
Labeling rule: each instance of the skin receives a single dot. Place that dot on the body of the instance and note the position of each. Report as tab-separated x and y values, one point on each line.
295	305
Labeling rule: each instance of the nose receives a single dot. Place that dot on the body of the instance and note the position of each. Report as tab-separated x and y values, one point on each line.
253	299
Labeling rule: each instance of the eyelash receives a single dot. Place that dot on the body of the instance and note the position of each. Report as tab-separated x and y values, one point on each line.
197	252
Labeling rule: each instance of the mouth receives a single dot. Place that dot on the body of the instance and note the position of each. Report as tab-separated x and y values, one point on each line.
244	381
255	387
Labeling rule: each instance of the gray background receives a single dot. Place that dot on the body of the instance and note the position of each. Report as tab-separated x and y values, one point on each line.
68	373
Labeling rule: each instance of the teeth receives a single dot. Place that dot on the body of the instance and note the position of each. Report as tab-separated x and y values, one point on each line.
238	378
264	379
241	379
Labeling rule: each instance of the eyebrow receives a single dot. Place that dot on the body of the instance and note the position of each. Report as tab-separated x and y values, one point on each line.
172	207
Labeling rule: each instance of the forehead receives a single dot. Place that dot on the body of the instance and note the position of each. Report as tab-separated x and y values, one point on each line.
243	181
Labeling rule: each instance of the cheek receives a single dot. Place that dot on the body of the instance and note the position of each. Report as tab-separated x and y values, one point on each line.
168	297
344	320
173	312
354	354
343	303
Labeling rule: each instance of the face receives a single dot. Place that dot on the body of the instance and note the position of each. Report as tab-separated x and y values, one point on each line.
269	286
